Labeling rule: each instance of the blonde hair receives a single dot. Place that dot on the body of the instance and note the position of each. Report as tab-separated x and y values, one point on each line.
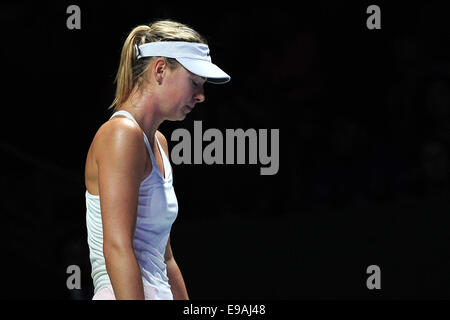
131	70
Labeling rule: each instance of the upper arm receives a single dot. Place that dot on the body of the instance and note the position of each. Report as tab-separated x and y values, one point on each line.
121	165
168	254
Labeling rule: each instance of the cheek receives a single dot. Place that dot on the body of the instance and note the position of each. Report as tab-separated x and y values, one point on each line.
179	93
177	90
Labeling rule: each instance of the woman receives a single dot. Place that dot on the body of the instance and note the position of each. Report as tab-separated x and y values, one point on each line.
131	203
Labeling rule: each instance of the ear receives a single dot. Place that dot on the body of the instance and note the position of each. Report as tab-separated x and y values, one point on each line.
159	69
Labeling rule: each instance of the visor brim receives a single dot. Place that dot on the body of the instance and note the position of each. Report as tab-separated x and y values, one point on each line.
205	69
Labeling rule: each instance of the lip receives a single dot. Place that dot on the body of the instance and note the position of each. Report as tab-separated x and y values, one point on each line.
190	108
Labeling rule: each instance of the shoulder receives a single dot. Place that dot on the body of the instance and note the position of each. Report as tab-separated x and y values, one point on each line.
162	139
119	137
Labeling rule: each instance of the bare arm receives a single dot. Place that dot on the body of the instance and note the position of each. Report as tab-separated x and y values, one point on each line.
176	280
121	164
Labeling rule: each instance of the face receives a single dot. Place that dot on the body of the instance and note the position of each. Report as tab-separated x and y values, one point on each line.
179	91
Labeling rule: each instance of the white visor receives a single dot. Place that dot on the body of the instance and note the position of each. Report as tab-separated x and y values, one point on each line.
193	56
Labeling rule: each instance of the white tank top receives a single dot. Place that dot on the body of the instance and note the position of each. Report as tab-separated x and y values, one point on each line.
156	212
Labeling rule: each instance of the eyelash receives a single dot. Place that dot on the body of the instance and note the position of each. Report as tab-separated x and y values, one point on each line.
194	83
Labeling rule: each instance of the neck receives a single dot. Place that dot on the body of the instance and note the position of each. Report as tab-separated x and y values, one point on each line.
145	112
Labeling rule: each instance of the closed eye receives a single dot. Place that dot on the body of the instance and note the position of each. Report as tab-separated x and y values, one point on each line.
194	83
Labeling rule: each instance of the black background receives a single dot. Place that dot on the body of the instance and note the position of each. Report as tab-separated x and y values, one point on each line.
364	148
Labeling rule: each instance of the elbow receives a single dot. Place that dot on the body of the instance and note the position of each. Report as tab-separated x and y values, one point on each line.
168	260
116	250
168	256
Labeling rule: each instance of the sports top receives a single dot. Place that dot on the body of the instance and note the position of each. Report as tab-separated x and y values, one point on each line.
157	210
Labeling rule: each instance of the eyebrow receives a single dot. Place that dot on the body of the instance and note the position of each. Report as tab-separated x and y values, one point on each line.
203	78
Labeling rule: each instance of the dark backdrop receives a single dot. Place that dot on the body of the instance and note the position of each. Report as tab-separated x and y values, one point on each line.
364	147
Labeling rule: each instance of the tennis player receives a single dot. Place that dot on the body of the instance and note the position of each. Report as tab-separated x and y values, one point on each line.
130	200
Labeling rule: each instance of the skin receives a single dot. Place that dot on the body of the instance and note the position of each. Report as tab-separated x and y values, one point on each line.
117	162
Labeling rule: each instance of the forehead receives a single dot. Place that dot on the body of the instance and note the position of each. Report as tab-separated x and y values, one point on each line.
197	78
194	76
203	79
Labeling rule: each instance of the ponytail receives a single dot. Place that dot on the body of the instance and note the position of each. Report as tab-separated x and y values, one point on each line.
130	68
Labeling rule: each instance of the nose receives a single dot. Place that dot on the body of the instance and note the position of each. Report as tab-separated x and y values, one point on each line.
199	96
